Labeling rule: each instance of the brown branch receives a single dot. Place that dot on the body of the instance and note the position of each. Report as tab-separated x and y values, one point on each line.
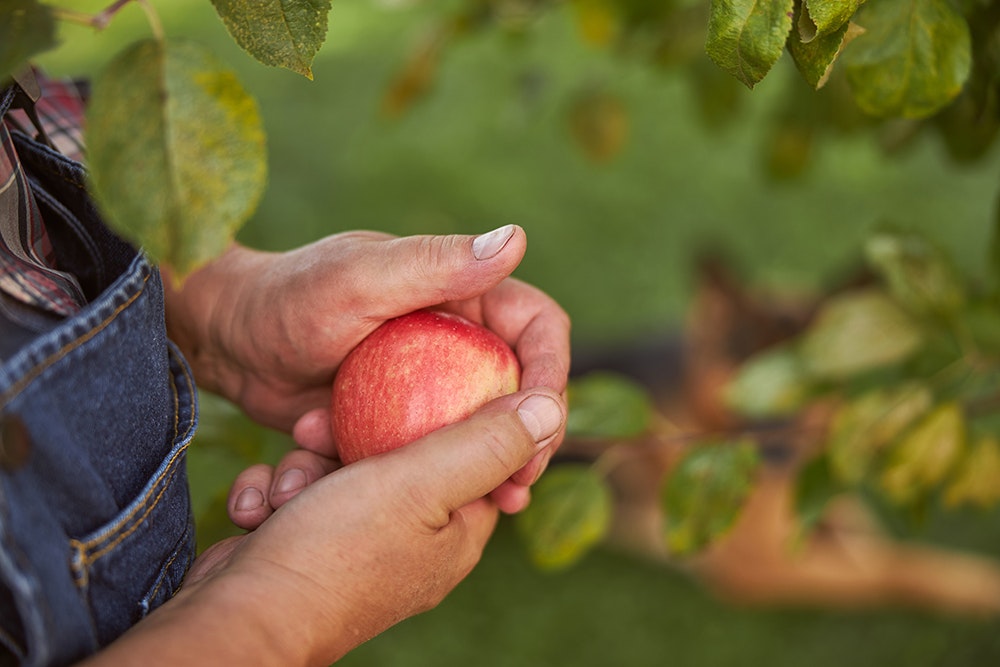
98	21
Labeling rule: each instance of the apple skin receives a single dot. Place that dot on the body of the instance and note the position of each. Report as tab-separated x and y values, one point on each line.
413	375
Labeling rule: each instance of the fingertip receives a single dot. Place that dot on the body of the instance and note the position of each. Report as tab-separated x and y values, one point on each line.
511	497
247	504
297	470
313	431
542	414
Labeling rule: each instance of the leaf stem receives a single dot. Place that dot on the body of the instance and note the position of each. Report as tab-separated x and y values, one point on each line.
154	19
102	19
608	460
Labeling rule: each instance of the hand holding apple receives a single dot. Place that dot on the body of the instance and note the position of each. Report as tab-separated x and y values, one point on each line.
269	330
413	375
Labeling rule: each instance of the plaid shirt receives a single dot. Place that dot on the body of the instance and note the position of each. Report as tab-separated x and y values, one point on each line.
28	269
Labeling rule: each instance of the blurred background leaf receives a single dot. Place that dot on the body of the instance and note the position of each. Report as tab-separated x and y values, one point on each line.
570	512
704	495
173	108
26	29
610	405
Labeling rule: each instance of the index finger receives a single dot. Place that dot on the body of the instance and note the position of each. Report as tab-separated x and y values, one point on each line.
536	326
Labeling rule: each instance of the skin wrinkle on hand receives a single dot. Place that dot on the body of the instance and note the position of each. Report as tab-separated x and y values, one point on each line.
290	391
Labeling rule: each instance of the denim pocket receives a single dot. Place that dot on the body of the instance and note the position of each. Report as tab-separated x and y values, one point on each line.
137	560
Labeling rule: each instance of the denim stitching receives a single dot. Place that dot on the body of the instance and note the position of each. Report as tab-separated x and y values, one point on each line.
84	557
85	553
43	365
159	584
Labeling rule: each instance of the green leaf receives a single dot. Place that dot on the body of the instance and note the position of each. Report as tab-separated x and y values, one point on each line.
912	60
977	479
815	58
280	33
570	512
746	37
771	383
603	404
856	332
704	494
815	487
863	427
825	17
925	455
27	28
176	151
917	272
994	248
981	320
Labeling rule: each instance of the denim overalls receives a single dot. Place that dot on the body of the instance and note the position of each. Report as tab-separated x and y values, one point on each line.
96	412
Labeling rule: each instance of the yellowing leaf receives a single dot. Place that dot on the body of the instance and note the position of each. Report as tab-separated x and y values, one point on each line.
746	37
570	512
176	152
281	33
704	494
597	21
925	455
856	332
415	78
977	480
863	427
769	384
26	29
599	122
912	60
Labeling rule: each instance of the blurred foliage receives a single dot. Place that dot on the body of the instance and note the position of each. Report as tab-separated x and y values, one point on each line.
570	512
704	494
932	62
914	387
914	411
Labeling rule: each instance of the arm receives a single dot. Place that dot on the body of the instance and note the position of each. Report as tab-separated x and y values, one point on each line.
312	583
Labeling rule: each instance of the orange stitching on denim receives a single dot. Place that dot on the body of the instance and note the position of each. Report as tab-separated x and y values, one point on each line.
156	589
41	367
142	502
87	558
83	549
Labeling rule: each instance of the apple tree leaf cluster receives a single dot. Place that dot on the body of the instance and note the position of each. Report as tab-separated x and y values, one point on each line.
572	508
176	146
931	63
907	367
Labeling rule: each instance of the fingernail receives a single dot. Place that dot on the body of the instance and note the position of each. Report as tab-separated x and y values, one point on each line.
540	415
249	499
290	480
489	244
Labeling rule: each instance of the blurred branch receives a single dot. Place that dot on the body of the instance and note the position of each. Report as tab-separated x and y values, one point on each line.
98	21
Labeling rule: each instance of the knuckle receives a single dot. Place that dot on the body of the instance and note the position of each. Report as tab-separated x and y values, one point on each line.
505	440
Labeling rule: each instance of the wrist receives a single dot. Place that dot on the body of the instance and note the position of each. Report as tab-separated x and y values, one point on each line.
225	620
201	313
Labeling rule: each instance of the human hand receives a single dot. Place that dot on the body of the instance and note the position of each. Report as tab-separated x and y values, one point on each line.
268	331
357	551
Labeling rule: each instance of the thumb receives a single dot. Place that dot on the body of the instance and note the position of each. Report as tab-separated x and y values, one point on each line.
421	271
464	462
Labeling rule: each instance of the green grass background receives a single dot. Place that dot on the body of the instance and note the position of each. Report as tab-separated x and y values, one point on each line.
613	243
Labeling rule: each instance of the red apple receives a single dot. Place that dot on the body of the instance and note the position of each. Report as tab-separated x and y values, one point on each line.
413	375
